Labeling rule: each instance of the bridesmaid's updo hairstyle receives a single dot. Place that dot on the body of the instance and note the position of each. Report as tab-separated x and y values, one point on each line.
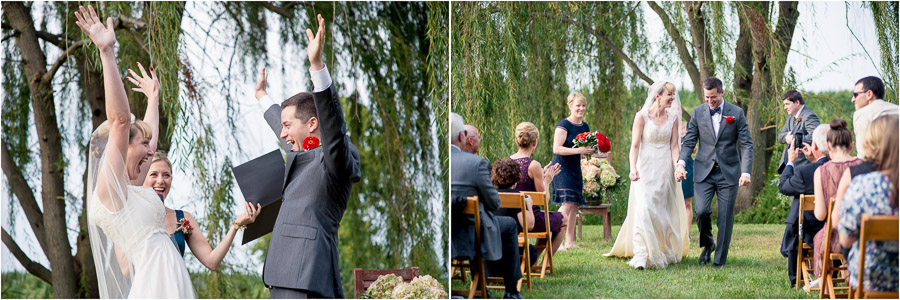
575	96
505	173
160	155
526	134
839	136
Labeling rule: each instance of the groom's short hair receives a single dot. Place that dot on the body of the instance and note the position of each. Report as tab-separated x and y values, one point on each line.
306	106
713	83
793	96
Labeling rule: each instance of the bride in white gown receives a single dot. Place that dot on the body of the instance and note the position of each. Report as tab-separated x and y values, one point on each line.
655	230
133	254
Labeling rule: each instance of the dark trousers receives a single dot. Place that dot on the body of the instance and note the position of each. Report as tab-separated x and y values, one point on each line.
726	193
508	265
789	241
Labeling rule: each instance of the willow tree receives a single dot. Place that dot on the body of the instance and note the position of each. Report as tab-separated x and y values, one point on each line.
390	221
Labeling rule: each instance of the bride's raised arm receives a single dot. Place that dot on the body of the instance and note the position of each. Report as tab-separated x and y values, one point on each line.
117	110
149	85
637	129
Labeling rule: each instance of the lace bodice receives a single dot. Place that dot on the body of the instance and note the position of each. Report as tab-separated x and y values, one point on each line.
143	215
655	135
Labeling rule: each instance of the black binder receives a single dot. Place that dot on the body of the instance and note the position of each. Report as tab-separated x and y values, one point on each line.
261	181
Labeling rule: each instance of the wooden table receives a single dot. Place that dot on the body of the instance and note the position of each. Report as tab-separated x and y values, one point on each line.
603	211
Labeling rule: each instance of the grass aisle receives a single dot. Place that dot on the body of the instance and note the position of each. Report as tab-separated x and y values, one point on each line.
755	269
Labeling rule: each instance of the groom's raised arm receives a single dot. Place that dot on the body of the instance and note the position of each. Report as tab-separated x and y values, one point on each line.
341	157
272	112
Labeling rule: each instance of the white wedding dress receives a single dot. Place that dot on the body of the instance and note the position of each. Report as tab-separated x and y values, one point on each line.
655	230
133	255
138	231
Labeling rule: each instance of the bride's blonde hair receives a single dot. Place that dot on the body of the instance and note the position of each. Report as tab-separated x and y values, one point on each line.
101	135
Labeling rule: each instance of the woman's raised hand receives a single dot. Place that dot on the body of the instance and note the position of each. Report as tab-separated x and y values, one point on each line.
147	84
551	170
249	216
102	36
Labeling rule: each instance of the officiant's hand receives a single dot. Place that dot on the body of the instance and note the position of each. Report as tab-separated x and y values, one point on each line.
314	50
261	84
249	216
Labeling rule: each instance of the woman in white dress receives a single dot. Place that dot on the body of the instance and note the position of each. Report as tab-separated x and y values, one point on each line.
655	230
133	255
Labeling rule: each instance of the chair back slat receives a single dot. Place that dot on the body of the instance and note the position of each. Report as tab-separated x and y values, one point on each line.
537	198
807	202
874	228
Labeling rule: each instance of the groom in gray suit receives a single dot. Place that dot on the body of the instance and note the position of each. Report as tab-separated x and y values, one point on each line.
718	166
302	259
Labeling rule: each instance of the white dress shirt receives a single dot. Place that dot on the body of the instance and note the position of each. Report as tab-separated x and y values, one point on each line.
716	120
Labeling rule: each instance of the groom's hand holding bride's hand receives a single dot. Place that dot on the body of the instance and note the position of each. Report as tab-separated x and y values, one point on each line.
680	173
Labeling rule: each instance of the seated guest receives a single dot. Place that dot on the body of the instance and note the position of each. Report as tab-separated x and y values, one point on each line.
472	177
874	193
473	139
534	178
826	179
867	99
875	133
794	183
504	175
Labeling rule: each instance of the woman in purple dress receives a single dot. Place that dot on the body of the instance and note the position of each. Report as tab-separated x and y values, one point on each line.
534	178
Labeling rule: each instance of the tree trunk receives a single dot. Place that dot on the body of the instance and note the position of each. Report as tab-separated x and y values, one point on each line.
681	46
701	39
59	252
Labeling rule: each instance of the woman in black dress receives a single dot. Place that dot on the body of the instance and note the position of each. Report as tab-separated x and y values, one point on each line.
567	186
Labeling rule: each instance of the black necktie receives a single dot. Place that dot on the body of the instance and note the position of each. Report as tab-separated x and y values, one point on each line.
713	112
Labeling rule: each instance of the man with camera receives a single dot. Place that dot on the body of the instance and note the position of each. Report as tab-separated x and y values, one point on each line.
798	127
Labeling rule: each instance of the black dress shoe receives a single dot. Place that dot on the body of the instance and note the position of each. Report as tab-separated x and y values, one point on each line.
515	295
717	266
704	255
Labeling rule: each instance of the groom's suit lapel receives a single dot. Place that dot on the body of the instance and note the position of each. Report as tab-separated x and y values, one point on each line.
291	155
708	121
721	121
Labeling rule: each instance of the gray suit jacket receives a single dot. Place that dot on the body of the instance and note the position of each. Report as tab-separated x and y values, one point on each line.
721	147
471	176
808	120
303	251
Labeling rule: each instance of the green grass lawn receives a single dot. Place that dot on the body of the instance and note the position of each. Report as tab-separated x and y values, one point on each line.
755	269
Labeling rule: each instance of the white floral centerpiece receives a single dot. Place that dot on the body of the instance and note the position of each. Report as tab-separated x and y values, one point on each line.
391	286
597	175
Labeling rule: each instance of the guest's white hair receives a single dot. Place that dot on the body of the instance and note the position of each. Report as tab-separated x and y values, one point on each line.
457	125
820	138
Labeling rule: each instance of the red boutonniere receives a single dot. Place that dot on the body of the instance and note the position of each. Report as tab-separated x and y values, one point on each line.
729	119
798	119
310	143
185	226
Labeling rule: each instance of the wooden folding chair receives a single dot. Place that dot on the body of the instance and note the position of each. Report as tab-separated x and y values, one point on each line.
362	279
829	283
804	250
516	201
540	199
478	286
874	228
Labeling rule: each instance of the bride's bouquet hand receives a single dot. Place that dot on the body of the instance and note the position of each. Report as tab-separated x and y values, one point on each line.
102	36
250	215
634	175
147	84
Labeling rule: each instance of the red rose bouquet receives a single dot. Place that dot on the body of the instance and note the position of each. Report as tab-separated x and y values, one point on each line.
592	139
